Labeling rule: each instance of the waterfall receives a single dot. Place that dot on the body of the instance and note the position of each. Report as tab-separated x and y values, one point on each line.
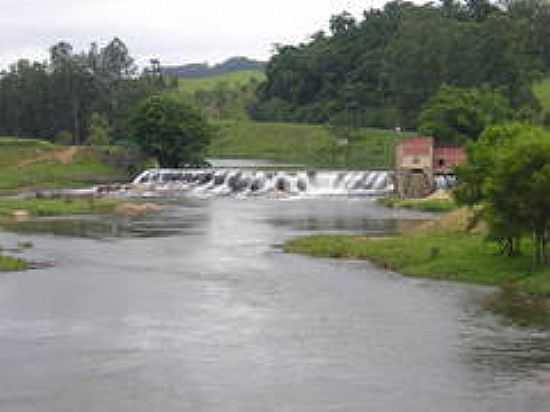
445	182
245	182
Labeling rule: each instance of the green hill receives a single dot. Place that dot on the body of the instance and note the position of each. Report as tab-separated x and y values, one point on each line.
231	80
200	70
309	145
225	98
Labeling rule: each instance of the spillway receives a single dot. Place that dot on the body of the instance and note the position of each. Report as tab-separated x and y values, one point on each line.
243	182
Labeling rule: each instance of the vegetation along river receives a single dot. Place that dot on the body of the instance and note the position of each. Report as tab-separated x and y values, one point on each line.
197	309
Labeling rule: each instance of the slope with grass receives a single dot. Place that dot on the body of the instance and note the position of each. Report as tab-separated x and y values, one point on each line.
231	80
35	164
309	145
442	250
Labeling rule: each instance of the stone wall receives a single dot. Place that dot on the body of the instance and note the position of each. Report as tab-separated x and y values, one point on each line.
413	184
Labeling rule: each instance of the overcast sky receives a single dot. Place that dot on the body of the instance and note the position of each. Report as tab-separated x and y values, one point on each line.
176	31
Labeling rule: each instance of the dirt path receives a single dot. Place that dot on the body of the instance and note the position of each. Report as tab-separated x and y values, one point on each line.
64	156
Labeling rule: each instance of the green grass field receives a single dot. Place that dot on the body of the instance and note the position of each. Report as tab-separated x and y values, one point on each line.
31	164
232	80
309	145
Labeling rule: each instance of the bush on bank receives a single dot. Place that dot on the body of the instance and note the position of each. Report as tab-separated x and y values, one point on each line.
10	264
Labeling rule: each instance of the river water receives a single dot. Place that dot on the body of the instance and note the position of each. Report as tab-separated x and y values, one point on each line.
197	309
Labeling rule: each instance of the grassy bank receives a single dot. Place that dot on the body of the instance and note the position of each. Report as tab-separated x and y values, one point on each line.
29	164
9	207
436	253
309	145
424	205
10	264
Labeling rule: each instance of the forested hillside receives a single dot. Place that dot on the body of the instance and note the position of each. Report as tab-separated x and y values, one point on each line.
384	67
222	97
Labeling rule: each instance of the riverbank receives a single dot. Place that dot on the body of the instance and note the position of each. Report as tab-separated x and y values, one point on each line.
27	164
25	208
14	211
430	204
11	264
443	250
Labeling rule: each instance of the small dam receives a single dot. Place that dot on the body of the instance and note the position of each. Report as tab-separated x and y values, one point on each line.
246	182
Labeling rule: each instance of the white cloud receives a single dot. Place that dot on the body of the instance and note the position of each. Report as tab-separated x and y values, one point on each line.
176	31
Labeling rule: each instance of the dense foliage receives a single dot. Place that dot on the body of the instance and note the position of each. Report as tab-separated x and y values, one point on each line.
457	115
385	67
59	97
508	174
171	131
226	101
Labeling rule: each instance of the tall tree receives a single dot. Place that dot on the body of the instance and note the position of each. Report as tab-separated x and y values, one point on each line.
456	115
173	132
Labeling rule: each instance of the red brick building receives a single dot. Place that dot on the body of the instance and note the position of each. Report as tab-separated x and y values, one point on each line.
420	153
447	158
418	161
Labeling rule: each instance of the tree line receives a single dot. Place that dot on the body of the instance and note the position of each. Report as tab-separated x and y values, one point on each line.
384	68
76	97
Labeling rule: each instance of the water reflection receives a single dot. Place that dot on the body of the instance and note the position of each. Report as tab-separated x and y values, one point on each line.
382	227
207	316
169	222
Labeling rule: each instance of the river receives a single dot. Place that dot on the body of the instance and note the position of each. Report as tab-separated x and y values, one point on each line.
197	309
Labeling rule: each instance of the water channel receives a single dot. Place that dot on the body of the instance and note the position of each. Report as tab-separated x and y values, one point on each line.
197	309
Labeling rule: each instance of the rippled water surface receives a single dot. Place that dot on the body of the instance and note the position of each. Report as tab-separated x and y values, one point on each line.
197	309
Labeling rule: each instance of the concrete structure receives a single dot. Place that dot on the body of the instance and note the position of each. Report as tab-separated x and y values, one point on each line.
418	162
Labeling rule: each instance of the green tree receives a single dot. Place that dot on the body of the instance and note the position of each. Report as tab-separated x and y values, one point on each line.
99	131
43	99
173	132
390	63
508	174
456	115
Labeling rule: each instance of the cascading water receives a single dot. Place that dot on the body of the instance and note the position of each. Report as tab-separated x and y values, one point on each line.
242	182
445	182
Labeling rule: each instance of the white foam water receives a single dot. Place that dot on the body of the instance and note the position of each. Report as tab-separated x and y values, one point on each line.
243	182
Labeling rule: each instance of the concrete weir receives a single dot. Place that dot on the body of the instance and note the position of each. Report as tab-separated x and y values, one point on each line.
224	182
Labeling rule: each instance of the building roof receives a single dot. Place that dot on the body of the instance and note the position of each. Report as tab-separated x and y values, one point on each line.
447	158
417	146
